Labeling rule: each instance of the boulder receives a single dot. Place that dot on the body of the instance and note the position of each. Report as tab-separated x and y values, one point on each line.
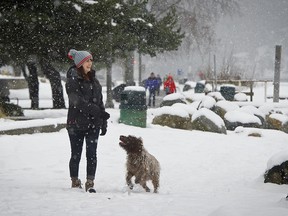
173	121
223	106
189	85
255	134
236	118
171	99
285	127
187	107
9	109
191	97
171	102
206	120
255	111
207	102
174	117
240	97
216	95
277	174
278	122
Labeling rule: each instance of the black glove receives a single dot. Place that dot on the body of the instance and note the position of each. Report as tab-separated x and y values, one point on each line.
103	131
104	128
105	115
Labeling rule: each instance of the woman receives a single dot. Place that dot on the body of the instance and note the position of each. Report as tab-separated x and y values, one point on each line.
86	116
169	85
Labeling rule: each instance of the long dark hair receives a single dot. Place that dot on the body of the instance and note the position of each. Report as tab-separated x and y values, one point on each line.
81	71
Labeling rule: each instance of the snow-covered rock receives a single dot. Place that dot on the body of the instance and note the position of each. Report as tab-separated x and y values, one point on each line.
206	120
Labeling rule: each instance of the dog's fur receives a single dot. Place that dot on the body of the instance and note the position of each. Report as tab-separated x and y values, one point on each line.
140	163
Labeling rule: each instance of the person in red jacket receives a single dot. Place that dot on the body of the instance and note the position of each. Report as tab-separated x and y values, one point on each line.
169	85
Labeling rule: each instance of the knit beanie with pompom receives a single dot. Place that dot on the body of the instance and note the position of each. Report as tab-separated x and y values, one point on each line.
79	57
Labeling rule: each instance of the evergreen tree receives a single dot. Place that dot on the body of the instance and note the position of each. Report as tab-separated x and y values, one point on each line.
110	29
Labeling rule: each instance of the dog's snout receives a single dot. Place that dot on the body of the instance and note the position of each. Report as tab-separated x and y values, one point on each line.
123	138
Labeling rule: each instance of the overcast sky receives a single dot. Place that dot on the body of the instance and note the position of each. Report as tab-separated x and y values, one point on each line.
262	25
263	22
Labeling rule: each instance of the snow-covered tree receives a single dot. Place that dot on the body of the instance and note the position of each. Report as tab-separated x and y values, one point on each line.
197	18
109	29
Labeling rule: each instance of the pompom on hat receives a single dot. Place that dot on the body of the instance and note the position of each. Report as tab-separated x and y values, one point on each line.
79	57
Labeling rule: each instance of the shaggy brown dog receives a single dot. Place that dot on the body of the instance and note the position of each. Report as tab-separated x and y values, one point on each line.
140	163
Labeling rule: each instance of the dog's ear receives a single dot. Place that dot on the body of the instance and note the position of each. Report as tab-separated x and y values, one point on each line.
139	141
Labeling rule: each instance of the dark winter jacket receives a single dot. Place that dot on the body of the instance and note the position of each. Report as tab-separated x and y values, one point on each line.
86	106
151	83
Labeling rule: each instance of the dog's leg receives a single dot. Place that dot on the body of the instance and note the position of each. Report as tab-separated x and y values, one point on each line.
142	181
155	183
143	184
137	180
128	180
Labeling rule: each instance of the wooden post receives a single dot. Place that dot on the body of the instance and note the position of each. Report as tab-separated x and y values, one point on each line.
277	73
265	92
251	91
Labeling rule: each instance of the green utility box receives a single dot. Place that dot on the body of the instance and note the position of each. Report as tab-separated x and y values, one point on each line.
199	88
228	92
133	109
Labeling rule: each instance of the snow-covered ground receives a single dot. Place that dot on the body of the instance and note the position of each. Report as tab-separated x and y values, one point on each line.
202	173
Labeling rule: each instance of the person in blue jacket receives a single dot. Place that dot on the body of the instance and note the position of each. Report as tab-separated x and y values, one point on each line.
152	85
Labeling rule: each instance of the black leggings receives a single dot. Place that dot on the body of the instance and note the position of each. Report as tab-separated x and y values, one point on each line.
76	141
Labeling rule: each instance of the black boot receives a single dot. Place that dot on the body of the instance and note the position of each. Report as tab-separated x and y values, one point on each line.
89	186
76	183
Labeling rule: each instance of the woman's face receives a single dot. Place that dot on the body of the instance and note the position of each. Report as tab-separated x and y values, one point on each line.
87	65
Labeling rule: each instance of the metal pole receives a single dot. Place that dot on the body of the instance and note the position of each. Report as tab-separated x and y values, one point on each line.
215	74
277	73
265	91
140	68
